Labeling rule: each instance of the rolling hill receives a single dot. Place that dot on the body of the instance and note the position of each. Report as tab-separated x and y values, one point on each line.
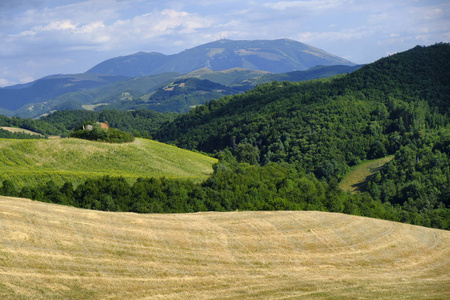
50	251
312	73
115	92
32	162
276	56
13	98
346	119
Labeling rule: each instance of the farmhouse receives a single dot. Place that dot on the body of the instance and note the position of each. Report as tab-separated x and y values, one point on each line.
102	125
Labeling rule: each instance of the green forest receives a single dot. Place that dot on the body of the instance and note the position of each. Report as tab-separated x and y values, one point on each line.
286	145
96	133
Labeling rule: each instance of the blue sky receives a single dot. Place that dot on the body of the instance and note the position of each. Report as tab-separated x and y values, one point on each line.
44	37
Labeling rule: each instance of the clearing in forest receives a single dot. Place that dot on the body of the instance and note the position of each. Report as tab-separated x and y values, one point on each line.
356	180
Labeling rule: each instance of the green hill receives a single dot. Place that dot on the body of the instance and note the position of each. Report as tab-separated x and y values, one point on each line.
44	89
364	115
32	162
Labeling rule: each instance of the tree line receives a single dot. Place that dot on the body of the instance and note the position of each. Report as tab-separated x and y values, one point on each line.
233	186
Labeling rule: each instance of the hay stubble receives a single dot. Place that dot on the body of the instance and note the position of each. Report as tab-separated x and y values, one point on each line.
50	251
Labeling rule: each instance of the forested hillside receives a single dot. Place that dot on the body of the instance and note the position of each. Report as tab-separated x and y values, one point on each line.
324	126
178	96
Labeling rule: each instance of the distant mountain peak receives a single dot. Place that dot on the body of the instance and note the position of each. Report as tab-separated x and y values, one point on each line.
276	56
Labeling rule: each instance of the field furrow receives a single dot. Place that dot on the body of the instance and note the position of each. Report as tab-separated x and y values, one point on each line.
49	251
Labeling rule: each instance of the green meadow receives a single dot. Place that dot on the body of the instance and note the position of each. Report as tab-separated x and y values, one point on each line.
356	179
32	162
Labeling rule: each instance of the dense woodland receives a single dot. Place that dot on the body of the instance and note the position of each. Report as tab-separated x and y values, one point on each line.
286	145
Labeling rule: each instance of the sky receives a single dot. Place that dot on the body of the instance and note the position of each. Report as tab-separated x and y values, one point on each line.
44	37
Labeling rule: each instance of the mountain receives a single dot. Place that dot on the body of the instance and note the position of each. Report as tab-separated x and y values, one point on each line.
13	98
140	92
276	56
135	65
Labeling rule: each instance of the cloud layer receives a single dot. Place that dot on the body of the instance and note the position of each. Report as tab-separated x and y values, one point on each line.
42	37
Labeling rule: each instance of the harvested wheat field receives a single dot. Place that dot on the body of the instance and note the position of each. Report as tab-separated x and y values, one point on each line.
49	251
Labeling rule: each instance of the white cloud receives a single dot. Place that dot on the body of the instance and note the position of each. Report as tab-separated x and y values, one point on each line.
334	36
59	25
311	5
97	34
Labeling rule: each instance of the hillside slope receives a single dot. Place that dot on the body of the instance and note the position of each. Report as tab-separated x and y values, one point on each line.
55	252
119	91
13	98
29	162
275	56
327	125
178	96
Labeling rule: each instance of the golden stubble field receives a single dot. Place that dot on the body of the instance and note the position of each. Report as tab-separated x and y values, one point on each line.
49	251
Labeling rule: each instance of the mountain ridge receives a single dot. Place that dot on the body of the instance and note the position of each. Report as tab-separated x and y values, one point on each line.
276	56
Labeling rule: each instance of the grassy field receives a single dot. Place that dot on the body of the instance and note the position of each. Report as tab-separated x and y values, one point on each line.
49	251
30	162
14	130
355	181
